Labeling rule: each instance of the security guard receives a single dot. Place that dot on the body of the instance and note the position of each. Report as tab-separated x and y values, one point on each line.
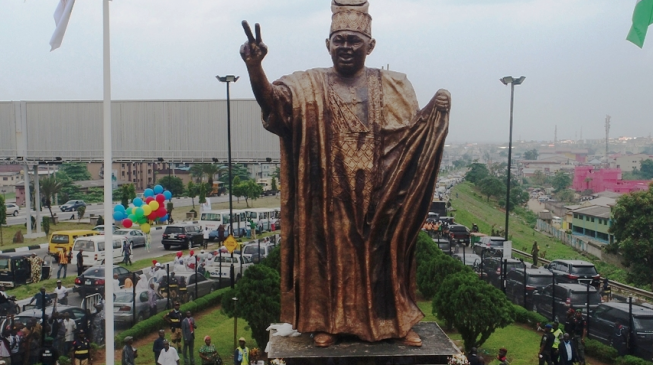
81	349
183	290
48	355
174	318
174	286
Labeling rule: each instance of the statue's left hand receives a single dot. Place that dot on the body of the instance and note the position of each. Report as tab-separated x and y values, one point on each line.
443	100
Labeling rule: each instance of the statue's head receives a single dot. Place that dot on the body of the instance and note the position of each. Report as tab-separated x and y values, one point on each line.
350	38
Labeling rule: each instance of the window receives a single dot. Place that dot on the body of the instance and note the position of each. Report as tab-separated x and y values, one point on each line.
4	179
592	219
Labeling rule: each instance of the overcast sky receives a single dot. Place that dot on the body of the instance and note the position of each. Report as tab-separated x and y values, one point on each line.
577	63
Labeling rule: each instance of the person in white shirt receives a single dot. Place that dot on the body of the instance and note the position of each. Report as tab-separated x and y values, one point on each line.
116	283
62	293
168	355
5	353
70	327
160	273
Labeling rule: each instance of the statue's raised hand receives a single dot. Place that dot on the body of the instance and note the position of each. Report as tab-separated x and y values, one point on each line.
254	50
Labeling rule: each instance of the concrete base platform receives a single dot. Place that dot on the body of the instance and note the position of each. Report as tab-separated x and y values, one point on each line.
436	348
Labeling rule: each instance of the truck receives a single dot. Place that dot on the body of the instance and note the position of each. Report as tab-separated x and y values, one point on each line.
266	184
220	270
438	207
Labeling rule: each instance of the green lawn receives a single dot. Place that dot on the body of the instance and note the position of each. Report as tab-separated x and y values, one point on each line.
471	207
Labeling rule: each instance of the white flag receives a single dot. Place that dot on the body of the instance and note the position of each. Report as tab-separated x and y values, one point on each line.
61	18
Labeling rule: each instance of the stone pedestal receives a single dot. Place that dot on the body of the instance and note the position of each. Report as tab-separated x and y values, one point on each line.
436	348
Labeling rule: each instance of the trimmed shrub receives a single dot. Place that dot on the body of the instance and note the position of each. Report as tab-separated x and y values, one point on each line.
600	351
157	322
522	315
631	360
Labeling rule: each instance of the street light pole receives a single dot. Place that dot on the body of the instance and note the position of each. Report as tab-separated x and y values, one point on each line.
512	81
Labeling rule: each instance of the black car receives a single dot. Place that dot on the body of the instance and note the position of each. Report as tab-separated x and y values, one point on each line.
566	296
445	245
536	280
75	313
72	205
459	233
92	280
489	246
574	271
492	267
603	329
182	235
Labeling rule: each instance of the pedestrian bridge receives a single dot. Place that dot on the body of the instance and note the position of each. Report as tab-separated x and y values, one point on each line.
180	131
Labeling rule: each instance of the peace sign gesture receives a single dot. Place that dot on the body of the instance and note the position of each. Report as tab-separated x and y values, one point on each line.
254	50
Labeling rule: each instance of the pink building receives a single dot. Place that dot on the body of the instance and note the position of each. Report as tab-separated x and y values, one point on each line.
587	177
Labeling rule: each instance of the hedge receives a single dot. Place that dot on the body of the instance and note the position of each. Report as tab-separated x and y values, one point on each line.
523	315
157	322
631	360
600	351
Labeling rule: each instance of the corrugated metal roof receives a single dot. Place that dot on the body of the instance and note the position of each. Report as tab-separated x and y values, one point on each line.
595	211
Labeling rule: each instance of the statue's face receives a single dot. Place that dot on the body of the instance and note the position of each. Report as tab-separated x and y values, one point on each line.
348	51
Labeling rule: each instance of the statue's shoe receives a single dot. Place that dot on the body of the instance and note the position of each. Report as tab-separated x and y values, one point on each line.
411	339
322	339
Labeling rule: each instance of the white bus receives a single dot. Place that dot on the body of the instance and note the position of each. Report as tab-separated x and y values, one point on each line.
264	216
212	219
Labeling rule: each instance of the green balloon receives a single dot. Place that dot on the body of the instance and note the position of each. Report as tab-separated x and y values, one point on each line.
129	210
132	217
139	212
142	219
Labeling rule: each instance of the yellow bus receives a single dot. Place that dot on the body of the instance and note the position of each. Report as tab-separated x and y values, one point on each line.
64	240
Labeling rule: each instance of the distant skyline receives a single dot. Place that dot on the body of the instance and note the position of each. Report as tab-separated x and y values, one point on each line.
578	65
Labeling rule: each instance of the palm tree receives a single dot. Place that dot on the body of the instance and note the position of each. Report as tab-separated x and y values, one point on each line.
50	187
197	172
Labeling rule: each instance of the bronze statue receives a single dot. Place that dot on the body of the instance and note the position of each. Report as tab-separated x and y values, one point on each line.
358	164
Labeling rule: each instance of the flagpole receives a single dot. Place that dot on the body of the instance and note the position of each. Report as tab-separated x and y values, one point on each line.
108	192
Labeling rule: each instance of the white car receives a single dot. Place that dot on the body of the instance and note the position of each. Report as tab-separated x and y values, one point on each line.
12	209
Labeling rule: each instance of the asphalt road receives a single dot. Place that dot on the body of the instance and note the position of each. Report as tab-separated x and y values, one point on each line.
98	209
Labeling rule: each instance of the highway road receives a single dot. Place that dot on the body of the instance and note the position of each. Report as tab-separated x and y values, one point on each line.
98	209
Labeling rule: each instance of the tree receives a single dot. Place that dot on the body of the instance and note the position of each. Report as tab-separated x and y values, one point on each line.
202	190
538	178
192	192
132	191
273	184
531	155
491	186
172	183
236	188
49	188
3	218
632	227
646	169
432	273
486	308
561	181
476	173
80	213
277	173
518	197
197	173
273	260
237	170
250	190
124	195
76	171
259	300
566	195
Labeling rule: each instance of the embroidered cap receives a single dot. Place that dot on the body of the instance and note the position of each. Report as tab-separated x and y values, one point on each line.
351	15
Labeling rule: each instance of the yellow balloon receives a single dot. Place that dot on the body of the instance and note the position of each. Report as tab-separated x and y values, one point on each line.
154	205
145	227
147	210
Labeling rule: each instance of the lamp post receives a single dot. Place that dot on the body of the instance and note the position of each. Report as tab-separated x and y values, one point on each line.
235	321
512	81
229	79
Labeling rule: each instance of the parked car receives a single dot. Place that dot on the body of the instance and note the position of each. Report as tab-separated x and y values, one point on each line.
220	266
469	259
448	220
564	296
93	250
72	205
12	209
252	249
123	304
182	235
76	314
459	233
492	267
135	237
490	244
92	280
574	271
536	280
100	228
204	285
445	245
602	323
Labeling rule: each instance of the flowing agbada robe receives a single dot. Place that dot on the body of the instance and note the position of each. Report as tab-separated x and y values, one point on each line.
355	194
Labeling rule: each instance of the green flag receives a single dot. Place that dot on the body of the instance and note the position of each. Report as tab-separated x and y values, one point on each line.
642	18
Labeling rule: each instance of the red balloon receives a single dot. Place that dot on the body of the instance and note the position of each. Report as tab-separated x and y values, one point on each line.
161	211
152	216
149	199
160	198
127	223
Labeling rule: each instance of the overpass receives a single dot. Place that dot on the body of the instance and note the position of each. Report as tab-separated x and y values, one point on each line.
177	131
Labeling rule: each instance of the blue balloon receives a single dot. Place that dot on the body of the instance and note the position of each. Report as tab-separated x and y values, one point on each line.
167	194
119	216
119	208
164	218
158	189
148	193
138	202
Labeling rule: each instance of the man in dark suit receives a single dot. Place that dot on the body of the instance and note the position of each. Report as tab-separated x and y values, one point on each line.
567	351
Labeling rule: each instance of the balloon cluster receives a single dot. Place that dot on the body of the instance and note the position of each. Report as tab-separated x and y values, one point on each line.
144	211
